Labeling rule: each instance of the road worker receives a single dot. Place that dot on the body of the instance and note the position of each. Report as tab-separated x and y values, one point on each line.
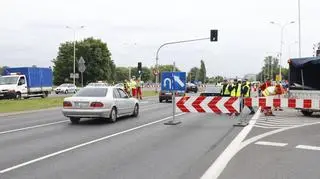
138	89
246	93
225	88
133	86
235	88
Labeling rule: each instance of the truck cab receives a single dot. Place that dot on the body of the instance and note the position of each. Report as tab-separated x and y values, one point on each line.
13	86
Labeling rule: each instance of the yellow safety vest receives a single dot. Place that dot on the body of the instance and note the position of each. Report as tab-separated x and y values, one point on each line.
133	84
226	91
236	91
248	92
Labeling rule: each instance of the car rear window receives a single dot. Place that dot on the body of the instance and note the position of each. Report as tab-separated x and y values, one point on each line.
92	92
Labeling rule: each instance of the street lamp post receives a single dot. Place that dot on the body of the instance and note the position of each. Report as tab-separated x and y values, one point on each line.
171	43
282	27
299	22
74	50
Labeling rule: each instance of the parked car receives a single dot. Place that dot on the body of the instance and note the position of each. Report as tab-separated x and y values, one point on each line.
167	95
66	88
191	87
100	102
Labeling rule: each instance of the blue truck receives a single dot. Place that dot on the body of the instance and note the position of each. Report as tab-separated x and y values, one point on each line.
25	82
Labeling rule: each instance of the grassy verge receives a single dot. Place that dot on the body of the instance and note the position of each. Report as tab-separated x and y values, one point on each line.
149	93
29	104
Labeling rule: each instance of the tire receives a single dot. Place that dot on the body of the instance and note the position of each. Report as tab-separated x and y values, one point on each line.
18	96
66	92
45	94
306	113
136	111
74	120
113	115
57	92
160	100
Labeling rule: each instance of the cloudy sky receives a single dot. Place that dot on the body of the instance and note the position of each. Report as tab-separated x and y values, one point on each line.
31	31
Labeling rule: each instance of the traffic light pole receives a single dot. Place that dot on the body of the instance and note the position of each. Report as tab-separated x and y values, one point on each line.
171	43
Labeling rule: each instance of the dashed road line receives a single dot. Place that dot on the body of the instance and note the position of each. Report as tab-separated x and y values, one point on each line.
275	144
308	147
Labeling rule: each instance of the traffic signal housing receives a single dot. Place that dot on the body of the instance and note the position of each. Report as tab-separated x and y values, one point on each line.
139	68
213	35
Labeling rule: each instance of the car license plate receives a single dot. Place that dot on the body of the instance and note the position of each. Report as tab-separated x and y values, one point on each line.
82	104
1	94
168	93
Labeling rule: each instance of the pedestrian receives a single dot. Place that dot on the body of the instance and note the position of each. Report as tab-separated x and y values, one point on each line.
246	93
126	86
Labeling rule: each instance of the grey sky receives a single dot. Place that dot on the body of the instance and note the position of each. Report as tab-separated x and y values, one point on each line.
31	31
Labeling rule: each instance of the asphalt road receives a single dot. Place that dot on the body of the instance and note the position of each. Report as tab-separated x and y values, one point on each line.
284	146
45	145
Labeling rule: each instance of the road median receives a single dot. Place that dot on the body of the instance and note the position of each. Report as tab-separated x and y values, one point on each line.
14	106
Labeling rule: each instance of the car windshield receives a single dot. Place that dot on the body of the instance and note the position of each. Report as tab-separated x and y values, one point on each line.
92	92
8	80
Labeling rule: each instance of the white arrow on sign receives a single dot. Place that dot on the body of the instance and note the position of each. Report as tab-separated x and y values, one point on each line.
165	81
178	80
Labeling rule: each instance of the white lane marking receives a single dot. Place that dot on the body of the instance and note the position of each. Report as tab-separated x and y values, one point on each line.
258	137
221	162
276	144
53	123
32	127
83	145
307	147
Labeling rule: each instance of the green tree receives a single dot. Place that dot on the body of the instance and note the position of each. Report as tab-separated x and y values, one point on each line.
193	74
122	73
202	72
146	73
270	69
99	65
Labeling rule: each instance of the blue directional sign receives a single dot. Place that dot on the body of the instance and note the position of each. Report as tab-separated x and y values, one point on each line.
173	81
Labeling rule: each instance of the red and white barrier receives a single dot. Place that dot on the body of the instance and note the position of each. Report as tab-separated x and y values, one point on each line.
283	102
202	104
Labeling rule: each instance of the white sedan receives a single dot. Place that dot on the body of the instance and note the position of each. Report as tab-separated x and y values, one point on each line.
100	102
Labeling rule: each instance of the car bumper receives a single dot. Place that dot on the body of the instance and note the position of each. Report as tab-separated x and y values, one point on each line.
7	95
86	113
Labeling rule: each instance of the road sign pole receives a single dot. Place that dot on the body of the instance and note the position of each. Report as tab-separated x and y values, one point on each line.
173	90
82	79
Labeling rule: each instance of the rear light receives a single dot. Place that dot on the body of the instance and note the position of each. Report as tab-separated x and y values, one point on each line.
67	104
96	105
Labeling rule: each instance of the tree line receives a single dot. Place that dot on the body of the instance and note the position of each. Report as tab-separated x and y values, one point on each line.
270	70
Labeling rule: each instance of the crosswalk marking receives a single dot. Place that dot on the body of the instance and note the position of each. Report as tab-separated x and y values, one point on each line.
279	121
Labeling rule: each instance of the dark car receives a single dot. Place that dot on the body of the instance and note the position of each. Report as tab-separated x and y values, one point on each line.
167	95
212	91
191	87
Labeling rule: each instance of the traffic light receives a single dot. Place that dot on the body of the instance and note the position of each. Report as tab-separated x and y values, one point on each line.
213	35
139	68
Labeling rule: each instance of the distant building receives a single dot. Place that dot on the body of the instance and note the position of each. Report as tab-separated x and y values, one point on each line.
250	77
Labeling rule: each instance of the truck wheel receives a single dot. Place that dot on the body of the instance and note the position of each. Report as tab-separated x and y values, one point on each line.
45	94
18	95
306	113
74	120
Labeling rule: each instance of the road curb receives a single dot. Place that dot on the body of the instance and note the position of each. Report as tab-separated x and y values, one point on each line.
27	112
